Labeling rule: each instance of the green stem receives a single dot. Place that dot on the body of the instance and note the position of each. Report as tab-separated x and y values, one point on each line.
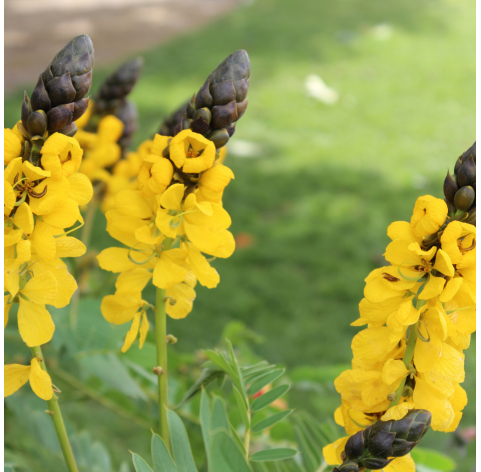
407	359
161	343
247	439
57	419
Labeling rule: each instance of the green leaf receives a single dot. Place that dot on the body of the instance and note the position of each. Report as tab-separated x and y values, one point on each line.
226	456
218	359
267	398
264	380
238	379
309	458
248	369
433	459
219	416
161	457
180	444
278	454
242	407
236	438
272	420
139	464
208	375
204	415
258	372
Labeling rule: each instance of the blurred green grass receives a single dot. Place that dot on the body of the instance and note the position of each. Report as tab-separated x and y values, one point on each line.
318	195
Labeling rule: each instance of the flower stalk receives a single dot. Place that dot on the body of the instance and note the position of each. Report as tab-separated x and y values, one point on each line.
161	344
56	414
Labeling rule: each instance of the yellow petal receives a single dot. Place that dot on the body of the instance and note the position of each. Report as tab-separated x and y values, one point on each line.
6	309
55	144
459	399
23	218
132	281
443	263
43	241
401	464
401	230
219	218
398	412
425	397
12	236
53	164
120	308
41	289
115	259
425	255
172	197
145	234
132	203
144	329
34	323
70	247
184	295
40	381
34	173
162	172
450	289
81	189
204	273
12	146
123	229
449	241
428	215
162	221
372	343
167	272
59	212
332	452
59	188
216	178
399	252
110	128
66	284
427	354
132	333
433	288
159	144
24	253
9	198
377	313
14	376
406	314
177	148
393	370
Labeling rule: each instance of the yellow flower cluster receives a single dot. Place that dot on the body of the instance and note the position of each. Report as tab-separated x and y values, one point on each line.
102	161
420	314
40	202
173	215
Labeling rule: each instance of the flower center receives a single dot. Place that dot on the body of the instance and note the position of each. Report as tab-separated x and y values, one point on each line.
26	185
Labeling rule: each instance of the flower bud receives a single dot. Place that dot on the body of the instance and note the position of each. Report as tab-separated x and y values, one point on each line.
467	172
60	90
450	188
40	98
79	108
121	82
464	198
355	446
69	130
471	219
59	117
203	113
26	109
81	84
199	125
349	466
470	152
190	107
458	164
224	115
37	123
219	137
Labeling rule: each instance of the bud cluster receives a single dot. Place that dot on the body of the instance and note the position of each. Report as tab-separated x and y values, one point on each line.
58	98
460	189
376	446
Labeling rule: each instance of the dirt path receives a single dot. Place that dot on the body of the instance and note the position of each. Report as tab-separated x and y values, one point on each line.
117	28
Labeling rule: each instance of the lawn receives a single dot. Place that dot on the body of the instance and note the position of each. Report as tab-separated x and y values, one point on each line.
316	185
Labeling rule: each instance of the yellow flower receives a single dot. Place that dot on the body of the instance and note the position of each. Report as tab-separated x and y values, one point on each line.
332	452
184	296
191	152
168	270
202	270
428	215
350	419
155	175
16	375
61	155
398	412
127	305
213	182
459	242
12	145
34	321
9	198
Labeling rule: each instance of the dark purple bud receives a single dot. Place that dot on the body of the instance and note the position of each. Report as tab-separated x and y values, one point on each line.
190	109
464	198
458	164
69	130
199	125
467	172
380	444
241	89
349	466
451	207
375	463
219	137
40	98
223	93
470	152
60	90
37	123
26	109
450	188
59	117
81	84
186	123
203	97
355	446
224	115
231	130
80	107
204	113
241	108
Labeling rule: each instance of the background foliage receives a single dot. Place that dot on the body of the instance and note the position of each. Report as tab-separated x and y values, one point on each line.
316	187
